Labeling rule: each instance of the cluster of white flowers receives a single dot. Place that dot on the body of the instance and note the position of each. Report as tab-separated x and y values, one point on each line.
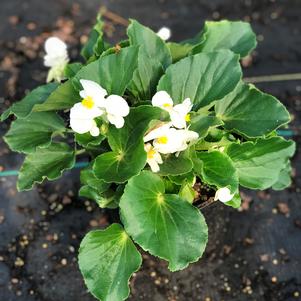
94	104
171	137
56	58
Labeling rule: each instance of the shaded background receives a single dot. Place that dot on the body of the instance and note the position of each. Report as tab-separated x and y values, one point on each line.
254	253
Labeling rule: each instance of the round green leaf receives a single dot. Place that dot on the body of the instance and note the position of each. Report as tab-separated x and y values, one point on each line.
216	168
233	35
153	45
64	97
204	77
284	178
47	163
163	224
87	140
128	156
251	112
25	135
113	72
176	165
259	163
24	107
146	77
107	259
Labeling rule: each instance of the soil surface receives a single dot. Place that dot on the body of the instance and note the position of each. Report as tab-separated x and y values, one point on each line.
254	253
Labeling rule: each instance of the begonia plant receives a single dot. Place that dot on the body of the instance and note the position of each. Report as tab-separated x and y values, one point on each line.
163	126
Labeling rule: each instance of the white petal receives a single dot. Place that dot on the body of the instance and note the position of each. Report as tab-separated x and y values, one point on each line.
116	105
80	112
178	120
55	46
95	130
162	98
118	121
153	165
179	112
94	90
81	126
164	33
223	194
158	132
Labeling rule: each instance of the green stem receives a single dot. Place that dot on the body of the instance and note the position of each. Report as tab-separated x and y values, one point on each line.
80	151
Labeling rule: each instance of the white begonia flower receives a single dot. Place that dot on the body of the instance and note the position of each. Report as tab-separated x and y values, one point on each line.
56	58
94	104
224	195
164	33
153	157
82	116
116	108
179	114
186	137
169	140
162	100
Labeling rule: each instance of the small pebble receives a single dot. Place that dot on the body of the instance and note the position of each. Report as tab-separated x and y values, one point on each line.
64	261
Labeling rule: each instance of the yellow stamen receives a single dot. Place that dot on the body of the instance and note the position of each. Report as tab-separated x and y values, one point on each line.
151	153
187	118
162	140
88	102
167	105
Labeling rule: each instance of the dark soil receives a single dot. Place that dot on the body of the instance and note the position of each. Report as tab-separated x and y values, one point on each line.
254	253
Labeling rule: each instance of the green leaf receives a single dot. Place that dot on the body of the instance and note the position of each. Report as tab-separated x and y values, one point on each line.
46	163
236	36
146	77
216	168
187	193
163	224
251	112
24	107
259	163
180	179
108	199
71	69
25	135
179	51
87	140
64	97
201	123
95	44
235	202
113	72
153	45
107	259
284	178
128	156
173	165
98	190
87	177
204	77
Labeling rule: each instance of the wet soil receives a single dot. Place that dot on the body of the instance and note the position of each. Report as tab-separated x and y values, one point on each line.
254	253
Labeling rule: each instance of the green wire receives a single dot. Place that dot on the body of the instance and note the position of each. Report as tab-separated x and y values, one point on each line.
7	173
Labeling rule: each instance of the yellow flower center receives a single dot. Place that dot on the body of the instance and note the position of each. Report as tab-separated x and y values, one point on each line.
167	105
151	153
88	102
162	140
187	118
